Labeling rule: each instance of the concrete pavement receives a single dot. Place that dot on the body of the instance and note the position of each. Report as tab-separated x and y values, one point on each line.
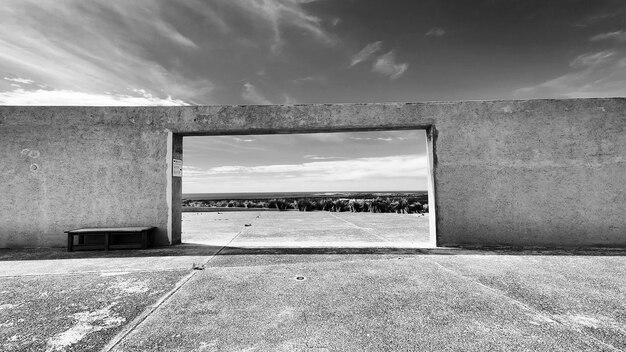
351	297
393	303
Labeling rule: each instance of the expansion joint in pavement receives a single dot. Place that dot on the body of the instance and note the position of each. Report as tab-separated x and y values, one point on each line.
151	309
366	229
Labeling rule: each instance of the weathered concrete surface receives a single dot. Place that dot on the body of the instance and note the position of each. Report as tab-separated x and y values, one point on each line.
539	172
392	303
247	297
66	168
79	312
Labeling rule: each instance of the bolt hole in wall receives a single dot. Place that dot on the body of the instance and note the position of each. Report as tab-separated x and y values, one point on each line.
316	190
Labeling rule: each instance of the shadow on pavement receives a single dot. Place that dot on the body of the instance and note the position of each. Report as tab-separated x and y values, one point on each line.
194	249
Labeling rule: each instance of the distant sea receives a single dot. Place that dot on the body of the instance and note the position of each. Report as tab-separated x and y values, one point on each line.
288	195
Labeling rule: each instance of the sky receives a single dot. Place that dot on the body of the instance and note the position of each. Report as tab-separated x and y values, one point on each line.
231	52
346	161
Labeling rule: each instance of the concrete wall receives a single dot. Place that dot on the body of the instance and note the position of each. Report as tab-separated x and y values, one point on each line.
540	172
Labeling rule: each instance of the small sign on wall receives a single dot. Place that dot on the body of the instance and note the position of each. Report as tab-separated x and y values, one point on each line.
177	168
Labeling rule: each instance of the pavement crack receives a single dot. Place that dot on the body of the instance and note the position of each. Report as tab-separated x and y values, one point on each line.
151	309
585	336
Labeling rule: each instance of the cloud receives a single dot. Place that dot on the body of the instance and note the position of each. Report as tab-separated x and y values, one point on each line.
317	157
102	46
592	59
67	97
96	47
435	32
386	65
365	53
362	174
594	75
245	140
167	31
19	80
263	24
601	13
283	13
309	79
412	165
619	36
253	95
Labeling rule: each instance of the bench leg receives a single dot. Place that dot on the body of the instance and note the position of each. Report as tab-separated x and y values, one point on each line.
106	241
70	242
144	239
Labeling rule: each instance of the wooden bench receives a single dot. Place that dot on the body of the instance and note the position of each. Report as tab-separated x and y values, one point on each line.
108	233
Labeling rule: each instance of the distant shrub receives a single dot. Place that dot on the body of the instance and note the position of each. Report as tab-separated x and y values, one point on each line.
391	204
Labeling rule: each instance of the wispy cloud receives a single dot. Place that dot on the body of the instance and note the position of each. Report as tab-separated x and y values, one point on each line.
308	79
592	59
601	74
386	65
283	13
252	94
331	170
67	97
93	48
114	47
600	12
365	53
167	31
435	32
619	36
19	80
317	157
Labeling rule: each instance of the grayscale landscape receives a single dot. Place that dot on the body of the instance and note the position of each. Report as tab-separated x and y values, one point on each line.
312	175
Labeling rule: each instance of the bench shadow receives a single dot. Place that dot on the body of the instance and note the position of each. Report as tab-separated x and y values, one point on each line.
201	250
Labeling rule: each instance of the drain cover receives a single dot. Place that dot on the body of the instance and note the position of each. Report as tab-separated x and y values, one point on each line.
299	278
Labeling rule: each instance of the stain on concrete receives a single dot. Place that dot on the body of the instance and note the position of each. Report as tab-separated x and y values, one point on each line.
130	286
85	323
74	312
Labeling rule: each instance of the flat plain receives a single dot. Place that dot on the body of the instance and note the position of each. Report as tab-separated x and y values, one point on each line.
316	229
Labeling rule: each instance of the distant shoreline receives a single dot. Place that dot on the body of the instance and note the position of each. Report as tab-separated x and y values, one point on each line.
295	195
223	209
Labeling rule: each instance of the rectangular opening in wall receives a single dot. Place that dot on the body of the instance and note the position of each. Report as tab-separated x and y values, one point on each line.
316	190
